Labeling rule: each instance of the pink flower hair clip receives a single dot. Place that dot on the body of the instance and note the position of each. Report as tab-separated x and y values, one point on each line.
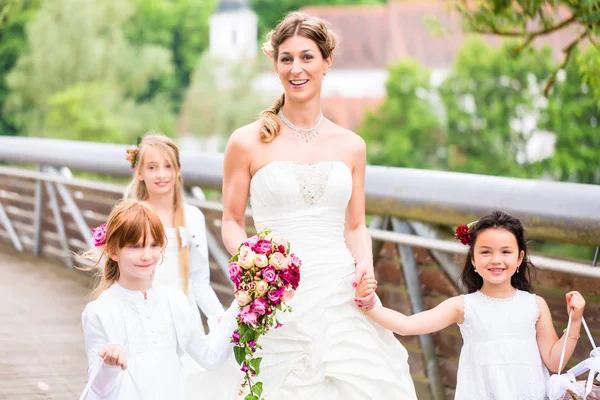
132	153
99	235
464	233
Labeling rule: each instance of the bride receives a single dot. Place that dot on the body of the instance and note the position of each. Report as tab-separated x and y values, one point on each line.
305	178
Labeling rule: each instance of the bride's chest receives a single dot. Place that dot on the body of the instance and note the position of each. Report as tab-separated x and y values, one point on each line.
289	183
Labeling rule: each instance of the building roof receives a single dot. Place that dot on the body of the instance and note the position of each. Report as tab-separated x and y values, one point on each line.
375	36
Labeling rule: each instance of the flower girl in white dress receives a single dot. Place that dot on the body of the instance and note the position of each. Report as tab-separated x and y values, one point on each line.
135	334
185	266
509	338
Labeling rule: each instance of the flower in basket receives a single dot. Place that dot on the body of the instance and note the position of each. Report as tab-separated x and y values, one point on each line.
265	275
464	233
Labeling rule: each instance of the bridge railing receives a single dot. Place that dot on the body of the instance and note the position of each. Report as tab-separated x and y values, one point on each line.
45	210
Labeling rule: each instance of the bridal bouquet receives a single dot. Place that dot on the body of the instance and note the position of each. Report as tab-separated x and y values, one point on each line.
265	275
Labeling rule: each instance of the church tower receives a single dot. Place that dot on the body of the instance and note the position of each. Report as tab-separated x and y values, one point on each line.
233	30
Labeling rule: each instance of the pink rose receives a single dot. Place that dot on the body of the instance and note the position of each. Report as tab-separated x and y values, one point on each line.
99	235
234	271
251	241
278	260
294	260
246	257
275	296
287	295
259	306
248	316
242	297
263	247
269	274
261	261
261	287
281	245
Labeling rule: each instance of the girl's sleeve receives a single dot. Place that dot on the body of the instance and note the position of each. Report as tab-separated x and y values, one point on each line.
210	351
106	378
200	269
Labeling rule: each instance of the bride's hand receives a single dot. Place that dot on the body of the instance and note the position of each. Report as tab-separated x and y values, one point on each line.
366	287
363	270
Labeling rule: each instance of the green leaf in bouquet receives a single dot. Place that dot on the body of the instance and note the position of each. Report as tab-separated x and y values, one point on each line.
240	354
247	335
257	388
255	363
234	258
251	397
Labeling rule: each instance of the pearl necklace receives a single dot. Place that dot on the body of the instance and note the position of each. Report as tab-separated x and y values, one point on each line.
302	133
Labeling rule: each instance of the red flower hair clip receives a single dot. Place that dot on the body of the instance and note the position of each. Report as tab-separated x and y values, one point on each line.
464	233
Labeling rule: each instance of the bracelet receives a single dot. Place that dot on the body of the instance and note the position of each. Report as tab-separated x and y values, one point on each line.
571	337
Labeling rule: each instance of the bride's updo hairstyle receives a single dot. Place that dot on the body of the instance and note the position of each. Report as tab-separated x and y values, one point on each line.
295	23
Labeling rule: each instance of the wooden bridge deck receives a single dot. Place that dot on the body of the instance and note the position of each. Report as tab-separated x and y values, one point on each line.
42	354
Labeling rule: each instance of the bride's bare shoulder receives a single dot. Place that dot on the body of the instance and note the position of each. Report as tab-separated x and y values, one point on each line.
244	140
351	142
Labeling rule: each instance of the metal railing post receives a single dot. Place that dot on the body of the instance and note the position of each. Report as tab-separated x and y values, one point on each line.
411	276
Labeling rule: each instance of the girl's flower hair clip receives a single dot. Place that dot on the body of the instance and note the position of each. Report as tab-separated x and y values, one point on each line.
464	233
132	153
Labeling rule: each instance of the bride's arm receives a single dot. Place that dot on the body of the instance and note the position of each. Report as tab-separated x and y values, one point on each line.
236	185
357	237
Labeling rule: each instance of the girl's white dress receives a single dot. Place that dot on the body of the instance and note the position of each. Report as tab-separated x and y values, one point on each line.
199	381
155	332
500	358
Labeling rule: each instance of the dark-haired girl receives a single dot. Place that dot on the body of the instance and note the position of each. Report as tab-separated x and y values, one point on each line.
509	338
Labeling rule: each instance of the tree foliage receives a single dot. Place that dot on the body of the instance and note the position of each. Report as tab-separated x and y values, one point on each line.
531	19
181	27
222	97
404	131
14	15
76	45
574	116
492	102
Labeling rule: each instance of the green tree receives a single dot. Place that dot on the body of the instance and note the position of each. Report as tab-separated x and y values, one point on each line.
270	12
74	43
181	26
222	97
530	19
573	115
13	17
488	97
404	131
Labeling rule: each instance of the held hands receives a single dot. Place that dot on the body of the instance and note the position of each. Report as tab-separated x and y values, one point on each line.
575	302
114	354
364	270
365	293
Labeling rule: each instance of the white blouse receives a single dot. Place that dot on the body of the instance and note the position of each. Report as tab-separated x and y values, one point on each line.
168	272
155	333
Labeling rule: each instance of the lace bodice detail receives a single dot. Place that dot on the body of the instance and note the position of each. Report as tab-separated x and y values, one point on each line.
283	183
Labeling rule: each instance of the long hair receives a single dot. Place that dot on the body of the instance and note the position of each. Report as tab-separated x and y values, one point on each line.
138	190
130	222
521	280
301	24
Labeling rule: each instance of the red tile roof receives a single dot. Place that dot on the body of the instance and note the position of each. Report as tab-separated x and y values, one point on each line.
374	36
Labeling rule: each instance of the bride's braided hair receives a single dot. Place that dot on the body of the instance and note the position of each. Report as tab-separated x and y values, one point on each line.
295	23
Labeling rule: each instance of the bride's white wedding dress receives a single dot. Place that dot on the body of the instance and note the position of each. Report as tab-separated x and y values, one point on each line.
327	349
